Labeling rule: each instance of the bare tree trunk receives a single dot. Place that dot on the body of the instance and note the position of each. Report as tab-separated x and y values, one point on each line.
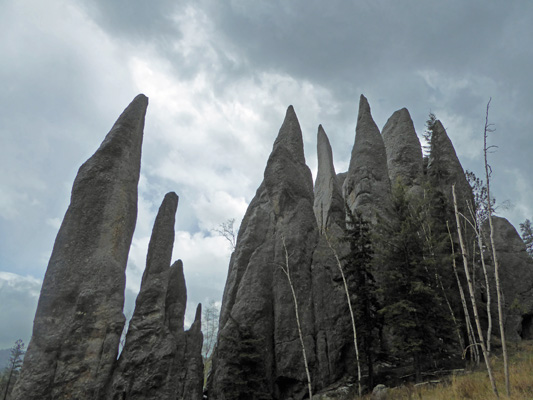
494	256
469	328
476	226
472	297
286	270
339	265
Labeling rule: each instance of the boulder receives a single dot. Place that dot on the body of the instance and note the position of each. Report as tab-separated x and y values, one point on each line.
367	185
79	319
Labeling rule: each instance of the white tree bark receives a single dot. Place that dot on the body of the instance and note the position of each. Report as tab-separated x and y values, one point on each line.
486	355
354	330
287	272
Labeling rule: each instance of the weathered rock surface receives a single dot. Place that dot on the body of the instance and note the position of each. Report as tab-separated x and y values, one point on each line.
329	204
367	185
258	351
79	317
444	163
516	276
404	153
334	348
145	364
193	382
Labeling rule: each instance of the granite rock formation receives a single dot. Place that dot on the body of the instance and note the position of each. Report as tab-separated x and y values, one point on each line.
367	185
516	276
79	320
445	165
404	153
79	317
257	315
329	204
334	348
154	363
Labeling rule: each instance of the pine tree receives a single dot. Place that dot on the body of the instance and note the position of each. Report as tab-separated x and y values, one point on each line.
413	308
13	368
358	267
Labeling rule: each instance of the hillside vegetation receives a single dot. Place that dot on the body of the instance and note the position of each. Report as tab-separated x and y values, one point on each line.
475	384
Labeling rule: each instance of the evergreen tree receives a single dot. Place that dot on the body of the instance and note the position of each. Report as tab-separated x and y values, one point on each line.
527	235
248	379
413	308
13	369
358	267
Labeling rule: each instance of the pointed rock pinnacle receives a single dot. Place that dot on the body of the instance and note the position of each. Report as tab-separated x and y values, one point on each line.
79	318
367	185
404	153
328	194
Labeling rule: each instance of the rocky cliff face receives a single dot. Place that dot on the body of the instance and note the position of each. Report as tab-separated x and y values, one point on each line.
79	318
257	315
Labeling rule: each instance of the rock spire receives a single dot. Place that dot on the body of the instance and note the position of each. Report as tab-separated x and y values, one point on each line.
147	366
257	322
367	186
329	204
79	318
444	164
404	153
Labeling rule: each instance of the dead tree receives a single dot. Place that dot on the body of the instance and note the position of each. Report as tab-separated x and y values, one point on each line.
487	130
486	355
354	330
286	270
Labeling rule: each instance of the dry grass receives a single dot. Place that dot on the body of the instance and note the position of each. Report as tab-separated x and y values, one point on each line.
476	385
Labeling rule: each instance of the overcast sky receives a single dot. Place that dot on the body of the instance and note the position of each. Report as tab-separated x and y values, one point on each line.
219	76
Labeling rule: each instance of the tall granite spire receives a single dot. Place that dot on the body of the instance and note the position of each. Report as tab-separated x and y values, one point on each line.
404	153
367	185
149	350
257	322
79	317
445	165
328	194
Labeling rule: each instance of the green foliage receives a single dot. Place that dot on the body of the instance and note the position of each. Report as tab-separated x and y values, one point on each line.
527	235
413	308
10	374
360	278
246	380
480	206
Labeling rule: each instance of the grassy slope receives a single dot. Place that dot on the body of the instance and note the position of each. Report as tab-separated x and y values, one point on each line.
476	385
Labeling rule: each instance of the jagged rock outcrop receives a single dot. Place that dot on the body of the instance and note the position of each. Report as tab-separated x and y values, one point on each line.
516	276
258	351
444	164
329	204
404	153
79	317
158	355
367	185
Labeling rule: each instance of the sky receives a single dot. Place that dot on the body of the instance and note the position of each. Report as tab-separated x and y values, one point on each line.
220	76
